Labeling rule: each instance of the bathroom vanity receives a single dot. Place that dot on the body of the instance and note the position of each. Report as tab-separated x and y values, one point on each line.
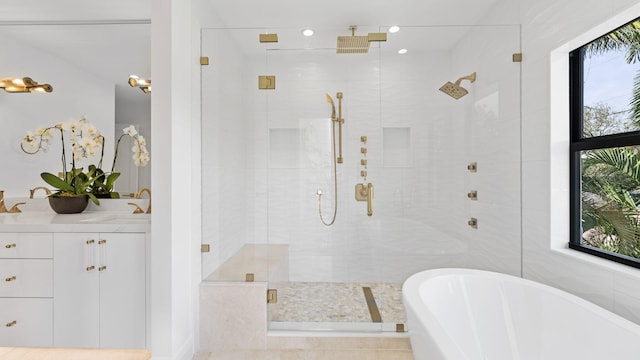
76	281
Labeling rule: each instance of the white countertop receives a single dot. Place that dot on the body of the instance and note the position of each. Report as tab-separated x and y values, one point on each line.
113	215
88	221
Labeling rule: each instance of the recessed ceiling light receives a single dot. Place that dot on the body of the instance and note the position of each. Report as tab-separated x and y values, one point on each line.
402	51
394	29
307	32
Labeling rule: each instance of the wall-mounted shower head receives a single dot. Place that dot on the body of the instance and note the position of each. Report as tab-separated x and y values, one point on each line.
352	44
455	90
333	106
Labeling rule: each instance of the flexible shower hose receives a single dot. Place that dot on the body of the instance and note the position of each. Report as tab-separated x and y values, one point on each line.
335	181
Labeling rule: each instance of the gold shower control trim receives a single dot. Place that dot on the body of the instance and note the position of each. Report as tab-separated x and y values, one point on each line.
266	82
268	38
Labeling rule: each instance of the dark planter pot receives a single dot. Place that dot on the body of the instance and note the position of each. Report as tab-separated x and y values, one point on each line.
69	204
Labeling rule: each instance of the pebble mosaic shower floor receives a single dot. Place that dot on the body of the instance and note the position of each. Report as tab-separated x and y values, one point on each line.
336	302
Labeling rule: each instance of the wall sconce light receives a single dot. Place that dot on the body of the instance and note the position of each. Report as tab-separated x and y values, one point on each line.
23	85
144	85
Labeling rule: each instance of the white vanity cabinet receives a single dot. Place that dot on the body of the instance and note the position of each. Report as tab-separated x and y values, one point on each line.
26	289
99	290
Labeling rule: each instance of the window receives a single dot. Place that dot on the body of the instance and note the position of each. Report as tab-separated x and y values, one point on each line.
605	145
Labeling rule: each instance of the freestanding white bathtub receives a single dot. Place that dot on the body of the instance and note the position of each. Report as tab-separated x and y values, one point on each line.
460	314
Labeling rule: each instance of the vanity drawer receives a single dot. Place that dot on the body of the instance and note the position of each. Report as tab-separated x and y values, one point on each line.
26	322
26	246
26	278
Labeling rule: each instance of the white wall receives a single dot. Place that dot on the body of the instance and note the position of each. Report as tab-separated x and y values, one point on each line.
76	93
546	26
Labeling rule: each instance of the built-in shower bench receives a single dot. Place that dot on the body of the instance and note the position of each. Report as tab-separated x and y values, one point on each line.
233	299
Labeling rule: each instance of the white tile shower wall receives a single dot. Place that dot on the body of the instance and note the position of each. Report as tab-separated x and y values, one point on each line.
492	139
547	25
419	217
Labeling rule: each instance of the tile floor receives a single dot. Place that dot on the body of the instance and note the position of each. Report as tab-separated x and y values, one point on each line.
335	302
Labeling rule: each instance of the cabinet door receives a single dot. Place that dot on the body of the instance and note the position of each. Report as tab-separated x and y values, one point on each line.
122	290
76	290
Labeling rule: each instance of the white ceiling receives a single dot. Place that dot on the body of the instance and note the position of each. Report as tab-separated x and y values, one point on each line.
342	13
119	44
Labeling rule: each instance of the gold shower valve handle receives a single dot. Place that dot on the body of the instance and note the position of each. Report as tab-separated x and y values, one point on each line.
364	192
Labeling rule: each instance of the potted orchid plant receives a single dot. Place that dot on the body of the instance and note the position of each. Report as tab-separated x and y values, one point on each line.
103	186
74	186
85	140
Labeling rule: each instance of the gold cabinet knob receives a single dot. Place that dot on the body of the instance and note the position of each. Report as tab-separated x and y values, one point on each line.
10	278
13	323
89	268
102	268
9	246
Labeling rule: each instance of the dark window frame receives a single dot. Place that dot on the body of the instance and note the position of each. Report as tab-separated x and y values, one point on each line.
579	143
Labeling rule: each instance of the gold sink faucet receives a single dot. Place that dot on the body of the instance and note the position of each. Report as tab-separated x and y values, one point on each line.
3	207
33	191
139	196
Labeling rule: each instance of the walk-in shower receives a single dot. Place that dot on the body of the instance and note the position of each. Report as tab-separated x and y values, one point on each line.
262	170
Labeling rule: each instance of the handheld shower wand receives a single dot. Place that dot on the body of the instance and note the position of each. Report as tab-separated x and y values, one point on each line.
335	159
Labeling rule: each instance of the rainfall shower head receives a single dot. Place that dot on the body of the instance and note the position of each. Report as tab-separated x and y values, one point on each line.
352	44
455	90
